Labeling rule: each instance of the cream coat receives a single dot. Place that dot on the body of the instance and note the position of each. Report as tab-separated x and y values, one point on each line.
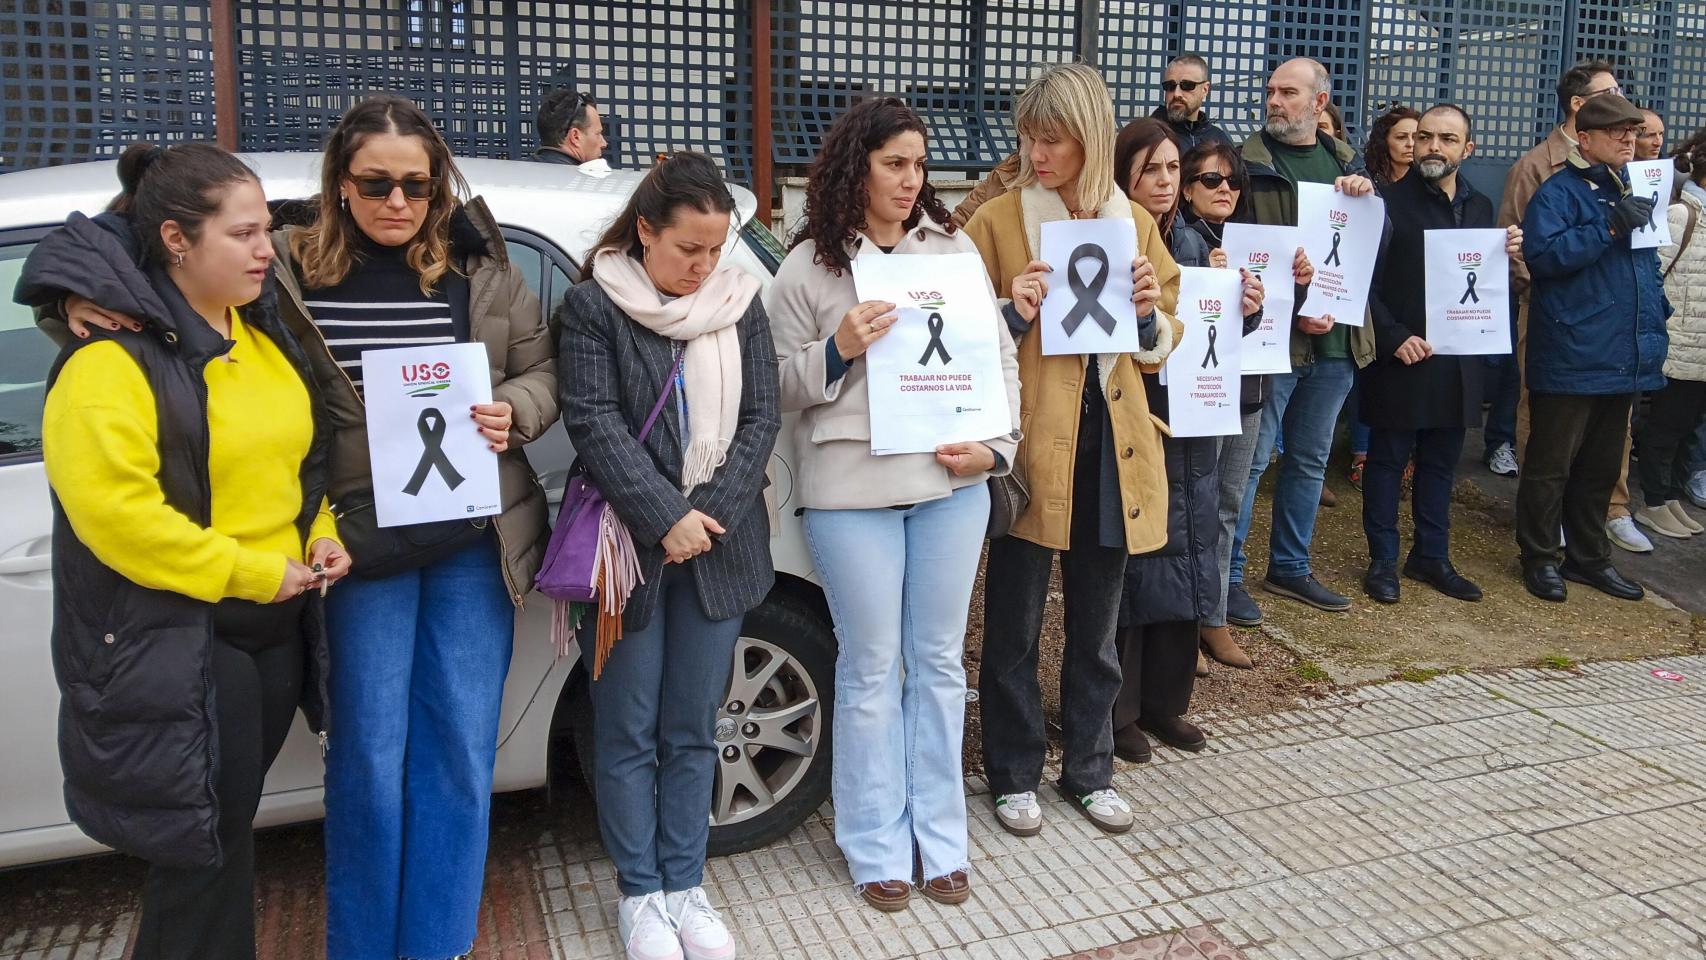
1686	290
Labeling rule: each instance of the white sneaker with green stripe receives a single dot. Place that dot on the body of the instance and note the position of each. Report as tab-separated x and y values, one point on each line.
1019	813
1103	807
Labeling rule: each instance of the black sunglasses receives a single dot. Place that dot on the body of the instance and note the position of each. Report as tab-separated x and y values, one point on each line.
380	188
1214	179
1185	85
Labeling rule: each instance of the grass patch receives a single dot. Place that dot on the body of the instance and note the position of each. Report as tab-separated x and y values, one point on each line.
1418	674
1558	661
1311	671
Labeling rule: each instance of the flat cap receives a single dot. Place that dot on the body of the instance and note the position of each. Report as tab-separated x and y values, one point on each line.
1606	111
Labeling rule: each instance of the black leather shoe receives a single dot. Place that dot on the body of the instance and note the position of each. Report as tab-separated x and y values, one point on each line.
1241	611
1307	589
1131	745
1607	581
1543	581
1442	576
1175	732
1381	583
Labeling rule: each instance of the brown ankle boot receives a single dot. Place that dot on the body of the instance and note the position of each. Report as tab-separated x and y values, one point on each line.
1202	664
1220	645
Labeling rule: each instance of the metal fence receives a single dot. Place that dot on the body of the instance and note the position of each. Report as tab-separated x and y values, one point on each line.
80	79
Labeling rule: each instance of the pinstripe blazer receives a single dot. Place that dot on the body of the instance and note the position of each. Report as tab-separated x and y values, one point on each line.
610	373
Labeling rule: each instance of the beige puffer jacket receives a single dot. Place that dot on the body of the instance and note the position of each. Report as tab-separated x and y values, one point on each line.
1685	287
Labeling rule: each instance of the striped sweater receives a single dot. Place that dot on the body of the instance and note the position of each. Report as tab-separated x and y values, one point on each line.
378	305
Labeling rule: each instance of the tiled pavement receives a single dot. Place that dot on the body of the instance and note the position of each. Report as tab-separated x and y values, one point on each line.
1521	814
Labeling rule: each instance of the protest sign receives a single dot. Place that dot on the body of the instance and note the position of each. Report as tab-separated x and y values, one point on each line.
1341	235
1088	308
1201	373
1266	251
430	461
1468	291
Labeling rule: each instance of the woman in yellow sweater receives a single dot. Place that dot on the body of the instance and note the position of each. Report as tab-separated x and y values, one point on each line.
191	536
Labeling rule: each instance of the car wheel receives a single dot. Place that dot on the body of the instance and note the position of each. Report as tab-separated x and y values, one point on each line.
773	728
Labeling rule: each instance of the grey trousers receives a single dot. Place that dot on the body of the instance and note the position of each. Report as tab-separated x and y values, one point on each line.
1236	452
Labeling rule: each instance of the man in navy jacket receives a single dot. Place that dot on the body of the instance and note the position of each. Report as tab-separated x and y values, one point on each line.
1596	337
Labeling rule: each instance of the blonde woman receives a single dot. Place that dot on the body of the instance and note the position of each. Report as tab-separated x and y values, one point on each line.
1091	452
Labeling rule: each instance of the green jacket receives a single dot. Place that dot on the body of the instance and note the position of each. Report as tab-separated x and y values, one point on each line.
1273	200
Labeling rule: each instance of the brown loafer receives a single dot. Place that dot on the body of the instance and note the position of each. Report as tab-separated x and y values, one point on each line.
889	896
1222	646
951	889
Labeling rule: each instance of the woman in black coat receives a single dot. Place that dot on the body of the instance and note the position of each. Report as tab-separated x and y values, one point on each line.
1169	591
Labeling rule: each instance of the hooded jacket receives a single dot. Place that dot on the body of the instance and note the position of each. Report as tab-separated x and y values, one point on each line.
137	733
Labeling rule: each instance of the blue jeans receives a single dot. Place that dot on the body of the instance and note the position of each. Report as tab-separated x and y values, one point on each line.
654	710
1305	403
899	584
418	666
1353	418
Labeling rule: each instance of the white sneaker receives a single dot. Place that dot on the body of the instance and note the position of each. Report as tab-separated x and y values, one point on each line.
1105	808
1502	461
703	935
1019	813
1625	534
1697	489
647	929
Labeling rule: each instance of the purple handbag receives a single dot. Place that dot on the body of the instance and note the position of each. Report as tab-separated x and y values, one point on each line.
591	565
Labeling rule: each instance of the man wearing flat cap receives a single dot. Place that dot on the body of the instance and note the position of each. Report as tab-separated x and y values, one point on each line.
1596	338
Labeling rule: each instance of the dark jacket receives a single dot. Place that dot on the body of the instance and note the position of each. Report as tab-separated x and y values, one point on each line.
137	734
1596	323
1273	200
554	155
1441	392
613	372
1180	581
1193	132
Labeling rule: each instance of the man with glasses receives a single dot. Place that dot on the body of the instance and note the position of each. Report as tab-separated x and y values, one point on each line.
569	127
1184	87
1593	344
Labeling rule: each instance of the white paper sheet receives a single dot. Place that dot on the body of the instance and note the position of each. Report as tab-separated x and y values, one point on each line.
430	461
1654	180
1266	251
1341	234
1201	374
1468	291
1088	308
936	376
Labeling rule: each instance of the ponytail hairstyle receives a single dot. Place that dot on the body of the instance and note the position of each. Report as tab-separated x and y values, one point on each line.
1690	160
836	197
185	183
677	180
324	251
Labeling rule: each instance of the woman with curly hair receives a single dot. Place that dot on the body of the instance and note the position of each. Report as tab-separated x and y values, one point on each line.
1391	146
895	538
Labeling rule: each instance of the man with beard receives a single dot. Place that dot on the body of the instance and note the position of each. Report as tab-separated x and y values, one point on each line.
1596	337
1412	399
1325	354
1184	87
1650	139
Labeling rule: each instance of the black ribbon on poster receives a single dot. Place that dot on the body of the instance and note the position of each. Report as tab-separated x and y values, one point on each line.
1650	225
431	427
935	345
1210	357
1087	306
1469	293
1333	254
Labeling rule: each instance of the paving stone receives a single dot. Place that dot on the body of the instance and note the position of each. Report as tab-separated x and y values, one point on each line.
1637	723
1470	747
1639	853
1314	835
1517	875
1623	783
1339	766
1616	926
1201	856
1684	761
1684	903
1526	799
1422	815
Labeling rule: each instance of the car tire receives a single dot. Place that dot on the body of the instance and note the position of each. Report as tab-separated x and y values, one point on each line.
786	629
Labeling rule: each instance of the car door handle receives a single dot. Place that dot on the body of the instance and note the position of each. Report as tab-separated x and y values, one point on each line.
34	563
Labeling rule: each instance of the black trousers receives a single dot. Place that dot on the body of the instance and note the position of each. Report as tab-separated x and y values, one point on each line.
1671	418
1436	453
1572	462
1158	669
208	913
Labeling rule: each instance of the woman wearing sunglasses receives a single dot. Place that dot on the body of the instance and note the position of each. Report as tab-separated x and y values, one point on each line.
420	637
1215	184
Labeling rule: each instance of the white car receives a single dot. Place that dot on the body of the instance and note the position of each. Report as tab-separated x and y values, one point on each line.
774	727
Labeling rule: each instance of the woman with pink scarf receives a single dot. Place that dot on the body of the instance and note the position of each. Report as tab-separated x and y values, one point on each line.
668	336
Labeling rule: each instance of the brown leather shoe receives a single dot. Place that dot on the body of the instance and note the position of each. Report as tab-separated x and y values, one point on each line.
1328	498
889	896
1202	664
951	889
1219	643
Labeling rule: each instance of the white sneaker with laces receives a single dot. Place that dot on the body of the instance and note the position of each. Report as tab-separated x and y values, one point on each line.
1625	534
1502	461
646	928
1105	808
1019	813
703	935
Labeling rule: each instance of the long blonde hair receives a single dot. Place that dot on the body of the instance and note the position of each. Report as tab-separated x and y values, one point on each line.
323	251
1070	100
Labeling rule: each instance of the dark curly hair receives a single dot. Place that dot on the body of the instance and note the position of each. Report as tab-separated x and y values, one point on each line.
835	189
1690	159
1375	154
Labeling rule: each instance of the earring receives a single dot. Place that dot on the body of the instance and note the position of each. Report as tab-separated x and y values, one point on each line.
179	261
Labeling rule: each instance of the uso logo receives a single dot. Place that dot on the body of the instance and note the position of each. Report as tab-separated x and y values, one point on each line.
426	379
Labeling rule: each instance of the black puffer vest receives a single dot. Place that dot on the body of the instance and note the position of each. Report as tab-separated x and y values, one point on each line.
137	735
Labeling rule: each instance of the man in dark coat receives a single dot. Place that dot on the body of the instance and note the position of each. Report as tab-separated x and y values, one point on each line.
1596	337
1411	399
569	127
